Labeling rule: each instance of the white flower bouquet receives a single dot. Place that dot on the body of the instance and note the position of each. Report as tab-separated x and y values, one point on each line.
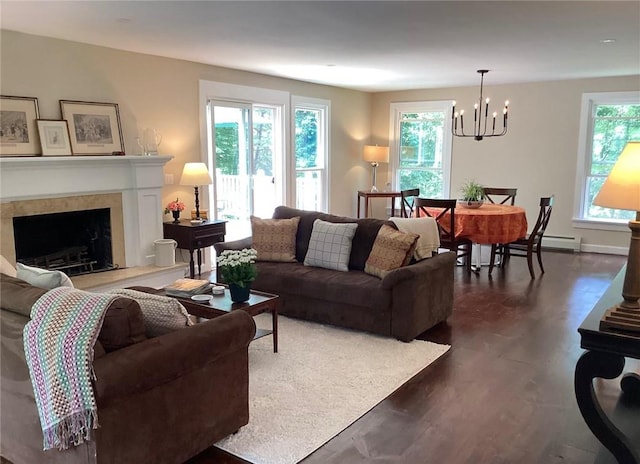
238	266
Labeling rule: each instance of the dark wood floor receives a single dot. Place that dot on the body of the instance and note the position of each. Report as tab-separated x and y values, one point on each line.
504	392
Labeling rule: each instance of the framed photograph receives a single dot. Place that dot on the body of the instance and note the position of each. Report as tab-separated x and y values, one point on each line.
18	134
54	137
94	128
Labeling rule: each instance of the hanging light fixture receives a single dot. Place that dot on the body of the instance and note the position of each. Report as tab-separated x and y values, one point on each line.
480	122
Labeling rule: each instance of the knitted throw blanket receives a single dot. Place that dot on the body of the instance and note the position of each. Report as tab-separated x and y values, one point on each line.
58	345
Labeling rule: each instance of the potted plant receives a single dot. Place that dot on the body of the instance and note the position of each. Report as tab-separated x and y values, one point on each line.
472	194
174	208
238	270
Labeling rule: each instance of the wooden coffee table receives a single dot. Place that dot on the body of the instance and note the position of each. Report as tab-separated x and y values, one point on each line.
258	303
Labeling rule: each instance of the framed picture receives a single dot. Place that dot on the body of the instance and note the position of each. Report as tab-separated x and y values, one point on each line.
54	137
18	134
94	128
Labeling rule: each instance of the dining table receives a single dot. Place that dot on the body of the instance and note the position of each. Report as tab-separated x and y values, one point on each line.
489	224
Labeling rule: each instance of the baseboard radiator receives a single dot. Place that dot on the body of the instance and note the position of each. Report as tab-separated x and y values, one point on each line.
563	243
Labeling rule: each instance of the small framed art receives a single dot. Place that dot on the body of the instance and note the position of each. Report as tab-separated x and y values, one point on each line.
54	137
94	128
18	134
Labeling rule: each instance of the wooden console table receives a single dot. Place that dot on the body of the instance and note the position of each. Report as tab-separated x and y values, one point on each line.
368	194
195	237
605	358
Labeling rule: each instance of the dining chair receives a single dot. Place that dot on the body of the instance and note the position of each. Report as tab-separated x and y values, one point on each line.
407	200
525	247
507	193
460	245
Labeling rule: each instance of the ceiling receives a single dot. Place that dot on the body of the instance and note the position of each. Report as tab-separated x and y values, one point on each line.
364	45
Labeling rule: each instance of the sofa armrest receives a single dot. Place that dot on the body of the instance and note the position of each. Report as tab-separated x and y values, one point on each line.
145	365
419	269
246	242
421	295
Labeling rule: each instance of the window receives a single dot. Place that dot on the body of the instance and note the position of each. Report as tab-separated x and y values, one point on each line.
311	144
421	147
608	121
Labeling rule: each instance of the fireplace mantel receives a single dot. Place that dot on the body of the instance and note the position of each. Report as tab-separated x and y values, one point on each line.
139	179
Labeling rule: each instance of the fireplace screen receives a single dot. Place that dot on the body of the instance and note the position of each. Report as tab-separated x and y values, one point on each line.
76	242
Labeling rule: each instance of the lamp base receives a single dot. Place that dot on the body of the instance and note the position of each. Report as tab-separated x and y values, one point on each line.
374	189
619	318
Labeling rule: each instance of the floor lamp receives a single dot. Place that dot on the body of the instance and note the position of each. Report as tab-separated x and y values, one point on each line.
375	155
196	174
621	190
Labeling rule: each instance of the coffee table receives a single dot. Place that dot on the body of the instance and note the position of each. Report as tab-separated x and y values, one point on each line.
258	303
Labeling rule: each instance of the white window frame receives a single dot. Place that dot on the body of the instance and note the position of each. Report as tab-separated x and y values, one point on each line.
585	138
324	140
394	138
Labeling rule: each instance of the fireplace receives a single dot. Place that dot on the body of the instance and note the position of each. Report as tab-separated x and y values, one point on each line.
75	242
129	187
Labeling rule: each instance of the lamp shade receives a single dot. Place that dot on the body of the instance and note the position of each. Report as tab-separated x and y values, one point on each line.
195	174
375	154
621	190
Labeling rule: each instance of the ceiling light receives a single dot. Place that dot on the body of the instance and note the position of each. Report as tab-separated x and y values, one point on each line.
479	122
608	41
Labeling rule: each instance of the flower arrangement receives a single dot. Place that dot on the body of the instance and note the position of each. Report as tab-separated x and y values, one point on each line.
174	206
238	266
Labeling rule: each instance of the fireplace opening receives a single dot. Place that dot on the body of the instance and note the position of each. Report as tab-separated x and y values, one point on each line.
76	242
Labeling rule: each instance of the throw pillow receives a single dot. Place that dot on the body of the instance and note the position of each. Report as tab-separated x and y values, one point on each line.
391	250
42	278
6	268
330	245
275	239
18	296
161	314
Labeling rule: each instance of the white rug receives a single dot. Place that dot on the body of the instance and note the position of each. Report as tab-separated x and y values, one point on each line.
321	380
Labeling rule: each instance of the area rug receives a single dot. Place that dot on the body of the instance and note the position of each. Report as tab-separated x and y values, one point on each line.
321	381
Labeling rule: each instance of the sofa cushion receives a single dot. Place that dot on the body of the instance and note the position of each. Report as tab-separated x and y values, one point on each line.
17	295
354	288
275	239
42	278
6	267
391	250
330	245
162	314
362	240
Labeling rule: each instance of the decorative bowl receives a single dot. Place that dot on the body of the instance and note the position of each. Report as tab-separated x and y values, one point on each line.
204	299
472	204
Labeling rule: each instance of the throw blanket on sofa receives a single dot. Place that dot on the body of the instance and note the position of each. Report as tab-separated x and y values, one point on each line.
426	228
58	346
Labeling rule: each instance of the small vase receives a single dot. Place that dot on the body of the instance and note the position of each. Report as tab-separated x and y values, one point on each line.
240	294
176	216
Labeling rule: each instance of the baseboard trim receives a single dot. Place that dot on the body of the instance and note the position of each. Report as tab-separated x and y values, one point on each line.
605	249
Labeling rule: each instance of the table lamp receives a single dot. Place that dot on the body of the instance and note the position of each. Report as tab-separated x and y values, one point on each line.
196	174
375	155
621	190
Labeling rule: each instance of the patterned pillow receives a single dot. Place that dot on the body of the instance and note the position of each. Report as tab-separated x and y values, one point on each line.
391	250
275	239
161	314
330	245
42	278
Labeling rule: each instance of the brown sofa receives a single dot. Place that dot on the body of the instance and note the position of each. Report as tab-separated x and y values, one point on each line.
408	301
160	400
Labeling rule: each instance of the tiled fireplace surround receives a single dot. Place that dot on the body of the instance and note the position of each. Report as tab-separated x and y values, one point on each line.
131	186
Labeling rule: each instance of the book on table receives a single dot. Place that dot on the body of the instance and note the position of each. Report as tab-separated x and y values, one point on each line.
187	287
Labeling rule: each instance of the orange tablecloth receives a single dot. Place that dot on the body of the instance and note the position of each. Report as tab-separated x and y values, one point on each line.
488	224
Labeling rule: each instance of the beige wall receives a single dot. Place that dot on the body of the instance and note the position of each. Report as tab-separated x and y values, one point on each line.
163	93
539	153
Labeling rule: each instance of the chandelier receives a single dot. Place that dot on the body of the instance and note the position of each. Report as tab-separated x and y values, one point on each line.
480	122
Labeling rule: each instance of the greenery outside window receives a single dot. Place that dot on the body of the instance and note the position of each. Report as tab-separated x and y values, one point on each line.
609	120
421	147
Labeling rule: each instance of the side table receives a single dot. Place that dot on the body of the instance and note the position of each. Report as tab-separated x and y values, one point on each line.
195	237
367	194
605	358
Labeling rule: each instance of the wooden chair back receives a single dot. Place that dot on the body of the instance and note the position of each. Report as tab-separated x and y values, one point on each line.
509	194
546	206
447	234
407	201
